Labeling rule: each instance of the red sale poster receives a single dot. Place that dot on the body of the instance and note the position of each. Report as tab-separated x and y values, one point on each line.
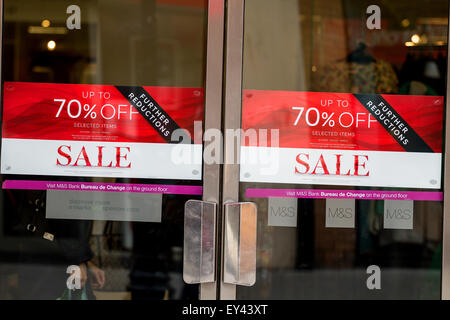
343	139
100	131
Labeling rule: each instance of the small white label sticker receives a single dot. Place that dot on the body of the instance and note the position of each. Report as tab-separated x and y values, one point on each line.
398	214
340	213
48	236
282	212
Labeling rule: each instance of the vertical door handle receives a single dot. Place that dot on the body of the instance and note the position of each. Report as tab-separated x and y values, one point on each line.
240	243
199	241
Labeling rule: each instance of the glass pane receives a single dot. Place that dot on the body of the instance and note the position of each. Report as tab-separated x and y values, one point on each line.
89	174
352	94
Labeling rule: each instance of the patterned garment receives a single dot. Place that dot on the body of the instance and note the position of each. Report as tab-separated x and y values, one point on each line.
353	77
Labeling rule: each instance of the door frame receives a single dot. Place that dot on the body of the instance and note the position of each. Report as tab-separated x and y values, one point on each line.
232	121
445	278
212	182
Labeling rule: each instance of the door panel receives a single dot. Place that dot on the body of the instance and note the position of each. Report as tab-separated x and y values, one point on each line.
154	47
331	228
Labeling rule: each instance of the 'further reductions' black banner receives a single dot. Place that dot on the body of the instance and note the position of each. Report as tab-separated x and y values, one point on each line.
394	124
154	113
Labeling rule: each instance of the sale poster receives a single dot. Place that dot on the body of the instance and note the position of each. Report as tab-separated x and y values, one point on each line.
100	131
342	139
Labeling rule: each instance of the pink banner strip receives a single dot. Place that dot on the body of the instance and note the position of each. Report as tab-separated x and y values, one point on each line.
344	194
103	187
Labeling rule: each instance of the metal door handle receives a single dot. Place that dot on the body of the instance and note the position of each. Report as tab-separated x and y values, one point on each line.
240	243
199	241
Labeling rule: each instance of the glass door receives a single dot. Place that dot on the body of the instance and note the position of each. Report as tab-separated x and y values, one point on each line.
103	108
338	108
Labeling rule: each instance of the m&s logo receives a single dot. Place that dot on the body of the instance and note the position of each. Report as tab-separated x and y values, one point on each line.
283	212
341	213
399	214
